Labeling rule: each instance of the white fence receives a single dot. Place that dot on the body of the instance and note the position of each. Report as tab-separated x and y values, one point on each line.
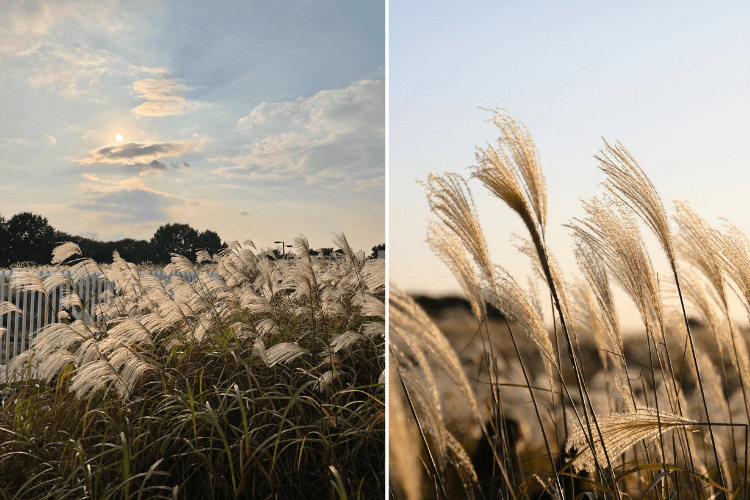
39	310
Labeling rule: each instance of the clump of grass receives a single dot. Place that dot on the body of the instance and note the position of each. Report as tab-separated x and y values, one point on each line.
606	442
263	382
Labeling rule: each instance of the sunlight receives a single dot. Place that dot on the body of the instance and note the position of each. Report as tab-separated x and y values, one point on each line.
118	137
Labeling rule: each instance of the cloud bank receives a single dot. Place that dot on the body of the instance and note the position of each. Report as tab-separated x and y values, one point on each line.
134	153
333	136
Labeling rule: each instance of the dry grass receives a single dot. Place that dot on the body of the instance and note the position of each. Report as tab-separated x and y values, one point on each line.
263	382
660	412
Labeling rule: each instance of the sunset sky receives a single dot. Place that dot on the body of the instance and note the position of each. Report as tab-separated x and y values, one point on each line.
258	120
667	79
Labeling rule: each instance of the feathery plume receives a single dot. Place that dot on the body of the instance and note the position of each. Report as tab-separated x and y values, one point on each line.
448	247
7	307
698	248
610	232
63	251
284	352
28	281
509	298
302	246
621	431
596	275
735	261
450	199
513	172
628	182
344	340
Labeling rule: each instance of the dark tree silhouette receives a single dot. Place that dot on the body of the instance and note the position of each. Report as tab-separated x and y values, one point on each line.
136	251
375	249
30	238
210	241
4	243
174	238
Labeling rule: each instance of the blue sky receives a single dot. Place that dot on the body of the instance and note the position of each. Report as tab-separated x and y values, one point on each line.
255	119
667	79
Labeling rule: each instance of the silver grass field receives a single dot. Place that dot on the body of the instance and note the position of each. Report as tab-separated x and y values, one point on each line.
496	406
266	381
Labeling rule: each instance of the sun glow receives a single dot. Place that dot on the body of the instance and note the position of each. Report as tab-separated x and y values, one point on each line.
118	137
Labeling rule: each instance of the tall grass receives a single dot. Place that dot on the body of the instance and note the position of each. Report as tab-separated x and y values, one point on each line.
663	424
263	382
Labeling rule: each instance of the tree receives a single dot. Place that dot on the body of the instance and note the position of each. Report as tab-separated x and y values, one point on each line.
4	243
31	239
174	238
210	242
375	249
326	251
136	251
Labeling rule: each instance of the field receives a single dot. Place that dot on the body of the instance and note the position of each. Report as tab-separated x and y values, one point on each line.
485	402
266	381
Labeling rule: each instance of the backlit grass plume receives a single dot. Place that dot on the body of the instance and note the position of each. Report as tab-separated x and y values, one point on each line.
449	248
622	431
627	181
628	453
450	200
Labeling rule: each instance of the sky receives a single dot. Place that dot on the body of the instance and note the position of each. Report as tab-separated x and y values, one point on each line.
258	120
670	80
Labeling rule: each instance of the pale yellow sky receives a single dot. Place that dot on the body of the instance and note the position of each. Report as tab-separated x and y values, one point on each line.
669	81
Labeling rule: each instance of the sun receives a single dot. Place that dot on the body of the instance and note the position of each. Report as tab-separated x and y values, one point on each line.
118	137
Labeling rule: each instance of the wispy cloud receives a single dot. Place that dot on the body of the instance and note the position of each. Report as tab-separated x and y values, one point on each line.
331	136
359	184
134	153
153	71
71	70
49	139
6	142
164	97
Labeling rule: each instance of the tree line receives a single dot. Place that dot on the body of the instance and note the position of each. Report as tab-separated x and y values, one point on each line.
27	237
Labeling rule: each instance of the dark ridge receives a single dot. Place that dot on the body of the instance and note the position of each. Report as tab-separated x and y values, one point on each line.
434	306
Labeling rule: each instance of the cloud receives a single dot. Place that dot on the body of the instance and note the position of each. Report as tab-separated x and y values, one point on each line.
128	200
359	184
49	139
71	70
134	153
327	138
130	205
243	214
164	97
153	71
154	166
6	142
24	30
